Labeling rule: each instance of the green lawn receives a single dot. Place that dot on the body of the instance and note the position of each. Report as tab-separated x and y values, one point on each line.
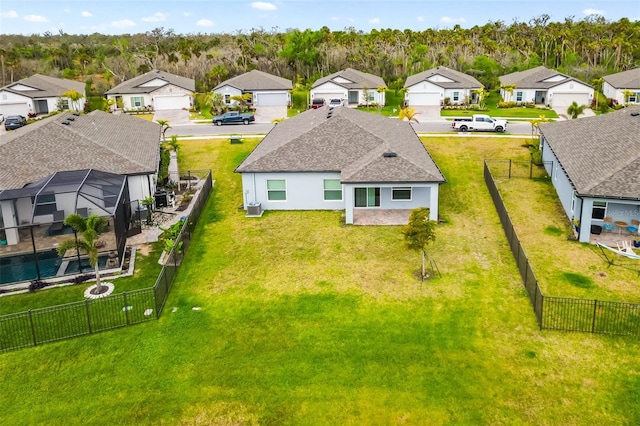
491	109
304	321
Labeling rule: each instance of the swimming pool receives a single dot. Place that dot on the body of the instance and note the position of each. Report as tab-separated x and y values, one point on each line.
22	267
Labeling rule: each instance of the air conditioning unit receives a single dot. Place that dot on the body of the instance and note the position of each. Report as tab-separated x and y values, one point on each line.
254	209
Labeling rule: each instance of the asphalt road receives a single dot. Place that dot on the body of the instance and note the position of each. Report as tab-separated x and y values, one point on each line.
434	126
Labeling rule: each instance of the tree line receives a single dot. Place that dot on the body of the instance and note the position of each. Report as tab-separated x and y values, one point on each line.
586	49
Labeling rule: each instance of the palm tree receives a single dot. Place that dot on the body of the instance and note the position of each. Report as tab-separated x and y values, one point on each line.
90	228
575	110
409	113
165	126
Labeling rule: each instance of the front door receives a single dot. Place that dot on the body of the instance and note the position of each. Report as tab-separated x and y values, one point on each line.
367	197
42	107
540	96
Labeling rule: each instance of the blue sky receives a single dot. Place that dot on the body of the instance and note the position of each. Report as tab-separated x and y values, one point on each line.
230	16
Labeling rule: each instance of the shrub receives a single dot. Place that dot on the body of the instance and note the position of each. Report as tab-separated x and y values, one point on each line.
78	279
508	104
37	285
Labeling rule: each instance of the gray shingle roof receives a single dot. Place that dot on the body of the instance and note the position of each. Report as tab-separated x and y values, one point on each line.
46	87
132	85
119	144
257	80
359	79
532	79
461	80
601	154
351	142
624	80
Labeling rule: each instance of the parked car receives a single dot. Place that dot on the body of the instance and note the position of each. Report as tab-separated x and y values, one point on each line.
13	122
334	102
479	122
232	117
317	103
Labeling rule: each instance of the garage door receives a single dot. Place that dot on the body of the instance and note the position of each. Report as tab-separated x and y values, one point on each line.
561	101
418	99
172	102
270	99
14	109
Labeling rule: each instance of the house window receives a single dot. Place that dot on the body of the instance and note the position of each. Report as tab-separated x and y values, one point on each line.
137	101
599	210
367	197
456	96
276	190
227	99
634	97
401	194
519	96
332	190
46	204
573	202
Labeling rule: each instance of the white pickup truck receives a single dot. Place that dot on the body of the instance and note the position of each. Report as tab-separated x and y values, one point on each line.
479	122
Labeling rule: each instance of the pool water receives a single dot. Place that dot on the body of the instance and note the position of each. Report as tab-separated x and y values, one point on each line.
22	267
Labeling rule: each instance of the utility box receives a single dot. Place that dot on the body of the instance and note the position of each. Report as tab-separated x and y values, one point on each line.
161	199
254	209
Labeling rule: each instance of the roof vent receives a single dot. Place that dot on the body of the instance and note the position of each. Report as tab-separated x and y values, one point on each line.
389	154
330	114
71	118
635	114
77	114
66	123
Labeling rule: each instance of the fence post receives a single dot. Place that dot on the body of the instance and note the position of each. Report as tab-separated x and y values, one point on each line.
124	302
595	312
86	307
541	306
509	169
33	330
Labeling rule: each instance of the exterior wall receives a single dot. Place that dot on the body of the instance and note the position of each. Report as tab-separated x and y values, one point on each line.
559	179
13	98
126	100
170	89
424	88
612	93
228	90
569	87
465	95
330	90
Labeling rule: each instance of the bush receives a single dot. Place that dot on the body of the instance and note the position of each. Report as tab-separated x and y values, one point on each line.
37	285
78	279
509	104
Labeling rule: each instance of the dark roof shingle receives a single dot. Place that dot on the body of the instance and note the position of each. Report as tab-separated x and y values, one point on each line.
45	86
624	80
257	80
534	78
460	80
135	85
358	79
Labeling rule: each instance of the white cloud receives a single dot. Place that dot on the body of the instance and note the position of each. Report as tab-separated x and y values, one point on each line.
86	14
593	12
420	19
261	5
187	13
374	20
156	17
351	20
36	18
204	23
449	20
9	14
124	23
335	18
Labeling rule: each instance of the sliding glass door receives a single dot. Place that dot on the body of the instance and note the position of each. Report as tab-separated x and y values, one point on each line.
367	197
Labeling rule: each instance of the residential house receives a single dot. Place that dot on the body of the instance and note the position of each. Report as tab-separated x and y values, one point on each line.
351	86
65	153
543	86
270	94
155	90
433	87
341	159
39	94
624	86
594	164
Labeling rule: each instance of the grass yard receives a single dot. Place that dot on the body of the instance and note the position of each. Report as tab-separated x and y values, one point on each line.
304	321
491	109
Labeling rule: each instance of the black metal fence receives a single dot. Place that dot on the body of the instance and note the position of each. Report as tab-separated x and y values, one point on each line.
38	326
553	312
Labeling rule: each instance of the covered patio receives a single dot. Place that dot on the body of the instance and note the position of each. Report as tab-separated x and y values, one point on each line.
381	216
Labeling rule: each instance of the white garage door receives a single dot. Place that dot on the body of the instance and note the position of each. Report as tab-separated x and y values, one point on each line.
563	100
270	99
14	109
420	99
171	102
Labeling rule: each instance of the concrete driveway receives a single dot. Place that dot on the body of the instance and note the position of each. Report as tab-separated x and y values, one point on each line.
173	116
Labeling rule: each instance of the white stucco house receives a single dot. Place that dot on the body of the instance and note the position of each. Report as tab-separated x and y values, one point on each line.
270	94
544	86
430	88
39	94
155	90
594	166
352	86
616	84
341	159
66	152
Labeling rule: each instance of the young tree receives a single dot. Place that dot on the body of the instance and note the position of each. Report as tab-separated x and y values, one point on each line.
482	94
419	233
575	110
409	113
380	90
74	97
508	88
90	228
165	126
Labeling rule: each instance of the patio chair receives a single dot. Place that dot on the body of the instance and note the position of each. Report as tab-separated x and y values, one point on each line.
608	224
633	228
58	223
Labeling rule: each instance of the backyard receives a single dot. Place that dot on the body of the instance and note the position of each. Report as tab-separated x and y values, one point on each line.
296	319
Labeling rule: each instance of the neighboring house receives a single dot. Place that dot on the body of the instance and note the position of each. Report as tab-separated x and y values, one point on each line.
270	94
543	86
431	88
594	165
353	87
615	86
38	94
65	147
155	90
341	159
